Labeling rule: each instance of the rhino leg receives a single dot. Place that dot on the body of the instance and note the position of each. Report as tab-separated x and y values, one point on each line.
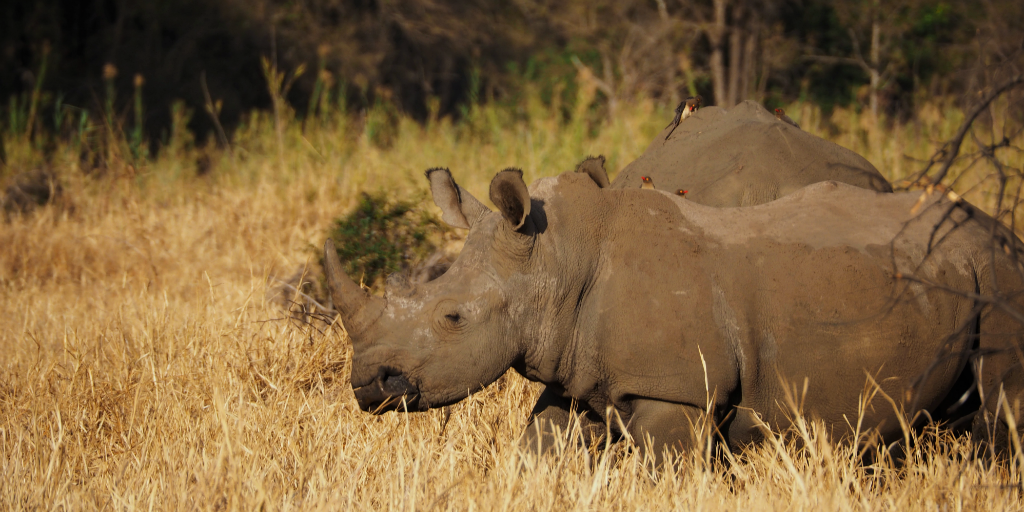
1000	373
658	426
551	418
1002	402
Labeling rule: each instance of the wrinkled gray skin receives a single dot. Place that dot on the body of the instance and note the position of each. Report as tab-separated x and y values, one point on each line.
744	156
612	297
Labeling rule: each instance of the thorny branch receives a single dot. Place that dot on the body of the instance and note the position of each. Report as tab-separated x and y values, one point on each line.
993	294
949	151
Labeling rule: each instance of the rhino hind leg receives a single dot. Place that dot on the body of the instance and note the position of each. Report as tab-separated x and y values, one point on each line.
552	417
1003	402
1001	377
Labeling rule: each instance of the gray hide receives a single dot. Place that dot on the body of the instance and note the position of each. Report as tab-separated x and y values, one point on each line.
743	157
657	308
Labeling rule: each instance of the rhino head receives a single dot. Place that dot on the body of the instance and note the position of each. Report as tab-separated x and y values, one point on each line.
500	305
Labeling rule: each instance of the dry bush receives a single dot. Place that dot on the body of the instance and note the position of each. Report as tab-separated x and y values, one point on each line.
142	366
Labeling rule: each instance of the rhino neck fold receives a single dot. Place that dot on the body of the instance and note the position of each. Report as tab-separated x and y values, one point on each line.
554	352
560	350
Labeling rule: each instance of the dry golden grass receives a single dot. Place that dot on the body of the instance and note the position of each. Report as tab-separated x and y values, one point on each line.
143	364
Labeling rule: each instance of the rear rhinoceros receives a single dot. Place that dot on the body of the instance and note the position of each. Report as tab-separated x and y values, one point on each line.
744	156
648	306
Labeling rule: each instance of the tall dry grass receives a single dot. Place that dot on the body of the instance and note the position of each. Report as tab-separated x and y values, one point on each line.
144	363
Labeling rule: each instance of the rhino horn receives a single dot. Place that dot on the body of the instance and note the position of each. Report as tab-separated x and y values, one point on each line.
357	307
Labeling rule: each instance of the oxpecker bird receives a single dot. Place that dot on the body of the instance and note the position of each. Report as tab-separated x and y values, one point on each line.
681	193
781	116
648	183
685	109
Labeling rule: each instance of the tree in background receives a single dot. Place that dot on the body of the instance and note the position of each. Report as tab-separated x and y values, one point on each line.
452	53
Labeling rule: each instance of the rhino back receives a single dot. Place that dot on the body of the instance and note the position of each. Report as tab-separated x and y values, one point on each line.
745	156
802	288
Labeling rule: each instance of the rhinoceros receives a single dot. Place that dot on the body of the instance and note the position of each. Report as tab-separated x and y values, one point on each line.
744	156
654	308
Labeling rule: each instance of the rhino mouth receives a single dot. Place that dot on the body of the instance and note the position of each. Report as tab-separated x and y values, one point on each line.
388	391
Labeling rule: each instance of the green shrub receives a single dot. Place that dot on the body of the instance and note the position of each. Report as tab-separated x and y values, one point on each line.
384	235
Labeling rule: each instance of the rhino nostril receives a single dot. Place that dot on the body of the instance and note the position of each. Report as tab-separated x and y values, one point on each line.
388	390
396	385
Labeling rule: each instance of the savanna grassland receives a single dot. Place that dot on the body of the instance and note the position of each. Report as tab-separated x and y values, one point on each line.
147	359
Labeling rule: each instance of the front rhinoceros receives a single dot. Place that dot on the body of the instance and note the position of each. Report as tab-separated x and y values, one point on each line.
648	305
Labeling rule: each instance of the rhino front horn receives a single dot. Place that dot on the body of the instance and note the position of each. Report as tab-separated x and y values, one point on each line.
357	307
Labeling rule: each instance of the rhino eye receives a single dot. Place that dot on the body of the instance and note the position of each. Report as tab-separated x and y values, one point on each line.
453	317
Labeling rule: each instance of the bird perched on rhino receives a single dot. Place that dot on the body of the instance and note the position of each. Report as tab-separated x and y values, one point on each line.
781	116
686	108
681	193
648	183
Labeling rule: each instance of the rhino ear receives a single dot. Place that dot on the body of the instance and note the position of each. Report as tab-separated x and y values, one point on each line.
594	167
458	207
509	194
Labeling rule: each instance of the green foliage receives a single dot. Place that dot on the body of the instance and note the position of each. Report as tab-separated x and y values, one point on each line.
382	123
551	74
384	235
443	58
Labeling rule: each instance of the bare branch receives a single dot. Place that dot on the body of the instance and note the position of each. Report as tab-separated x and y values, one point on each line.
589	73
950	150
854	61
828	59
214	112
856	51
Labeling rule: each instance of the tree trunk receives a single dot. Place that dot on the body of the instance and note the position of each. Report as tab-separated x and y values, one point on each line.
749	58
717	36
875	75
735	55
762	81
670	65
609	79
671	84
735	64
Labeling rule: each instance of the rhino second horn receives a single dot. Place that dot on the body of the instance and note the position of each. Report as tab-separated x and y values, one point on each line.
357	308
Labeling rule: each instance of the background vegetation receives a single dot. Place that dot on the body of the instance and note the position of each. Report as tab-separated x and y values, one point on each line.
149	265
439	57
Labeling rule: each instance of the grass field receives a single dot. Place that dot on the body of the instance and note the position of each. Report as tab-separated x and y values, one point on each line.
145	362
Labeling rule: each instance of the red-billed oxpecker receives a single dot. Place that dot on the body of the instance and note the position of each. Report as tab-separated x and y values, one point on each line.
781	116
686	108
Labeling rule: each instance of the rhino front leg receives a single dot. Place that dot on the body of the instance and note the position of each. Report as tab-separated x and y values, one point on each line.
668	425
551	418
